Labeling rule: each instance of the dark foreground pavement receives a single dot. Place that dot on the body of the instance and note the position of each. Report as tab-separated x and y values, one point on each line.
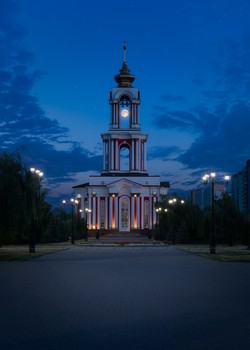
124	298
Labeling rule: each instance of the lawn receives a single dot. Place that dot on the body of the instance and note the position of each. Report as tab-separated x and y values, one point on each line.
223	253
21	252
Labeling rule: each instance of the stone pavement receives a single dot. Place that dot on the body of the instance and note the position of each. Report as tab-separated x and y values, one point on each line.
121	298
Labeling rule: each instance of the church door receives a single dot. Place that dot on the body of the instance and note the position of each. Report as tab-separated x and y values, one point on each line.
124	214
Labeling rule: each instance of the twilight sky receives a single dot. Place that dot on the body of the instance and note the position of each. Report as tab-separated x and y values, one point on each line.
191	59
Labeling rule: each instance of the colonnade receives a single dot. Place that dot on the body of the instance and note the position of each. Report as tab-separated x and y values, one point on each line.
137	154
105	212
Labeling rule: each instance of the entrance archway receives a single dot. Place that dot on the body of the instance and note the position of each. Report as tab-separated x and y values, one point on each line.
124	217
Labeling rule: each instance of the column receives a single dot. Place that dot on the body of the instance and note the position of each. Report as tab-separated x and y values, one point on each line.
112	155
98	222
142	212
113	114
137	155
144	155
103	159
132	211
133	115
90	213
110	211
140	155
116	155
116	114
132	166
116	212
93	212
138	212
106	213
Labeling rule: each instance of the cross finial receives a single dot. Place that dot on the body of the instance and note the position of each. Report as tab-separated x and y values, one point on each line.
124	51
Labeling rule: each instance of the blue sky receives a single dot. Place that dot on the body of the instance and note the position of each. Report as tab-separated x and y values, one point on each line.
191	60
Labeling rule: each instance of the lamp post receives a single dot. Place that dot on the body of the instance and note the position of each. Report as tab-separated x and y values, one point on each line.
227	179
158	213
73	202
88	212
35	193
212	237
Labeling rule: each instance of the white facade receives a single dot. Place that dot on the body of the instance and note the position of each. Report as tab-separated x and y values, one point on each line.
123	197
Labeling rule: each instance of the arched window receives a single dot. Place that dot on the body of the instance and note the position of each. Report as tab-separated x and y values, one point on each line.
125	112
124	158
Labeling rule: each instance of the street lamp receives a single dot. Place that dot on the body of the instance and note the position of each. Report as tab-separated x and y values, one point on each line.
212	237
88	212
158	213
35	192
227	179
73	202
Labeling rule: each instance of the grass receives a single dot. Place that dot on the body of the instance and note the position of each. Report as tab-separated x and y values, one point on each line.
223	253
21	252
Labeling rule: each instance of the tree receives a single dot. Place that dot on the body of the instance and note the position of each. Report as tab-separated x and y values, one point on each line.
59	228
12	197
231	224
22	201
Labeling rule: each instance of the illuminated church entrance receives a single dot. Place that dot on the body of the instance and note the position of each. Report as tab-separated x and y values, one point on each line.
123	197
124	214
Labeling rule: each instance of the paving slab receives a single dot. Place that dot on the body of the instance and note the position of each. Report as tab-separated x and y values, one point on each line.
122	298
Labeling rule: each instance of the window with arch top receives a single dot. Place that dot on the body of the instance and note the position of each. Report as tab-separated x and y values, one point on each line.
124	157
125	112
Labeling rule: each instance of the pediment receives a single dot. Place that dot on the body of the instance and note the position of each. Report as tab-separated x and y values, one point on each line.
124	187
124	182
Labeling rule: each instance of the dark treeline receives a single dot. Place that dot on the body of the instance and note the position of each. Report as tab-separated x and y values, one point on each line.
185	223
24	209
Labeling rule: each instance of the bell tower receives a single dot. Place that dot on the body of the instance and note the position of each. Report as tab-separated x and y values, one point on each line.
124	141
124	196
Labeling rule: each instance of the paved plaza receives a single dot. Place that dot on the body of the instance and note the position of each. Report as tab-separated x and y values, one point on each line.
119	298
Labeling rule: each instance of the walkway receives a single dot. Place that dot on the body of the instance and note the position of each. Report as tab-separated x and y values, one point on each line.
124	299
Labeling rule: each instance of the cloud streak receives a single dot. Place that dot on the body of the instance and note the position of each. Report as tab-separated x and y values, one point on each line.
221	124
24	124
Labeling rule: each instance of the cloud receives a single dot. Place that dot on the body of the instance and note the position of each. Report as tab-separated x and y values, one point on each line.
220	123
232	68
23	122
227	147
166	119
162	153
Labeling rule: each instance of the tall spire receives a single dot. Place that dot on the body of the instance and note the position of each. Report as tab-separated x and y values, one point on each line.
124	51
124	79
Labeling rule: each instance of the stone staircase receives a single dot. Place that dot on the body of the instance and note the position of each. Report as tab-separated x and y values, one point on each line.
125	238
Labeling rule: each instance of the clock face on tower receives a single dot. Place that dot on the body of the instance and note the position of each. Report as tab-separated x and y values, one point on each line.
124	113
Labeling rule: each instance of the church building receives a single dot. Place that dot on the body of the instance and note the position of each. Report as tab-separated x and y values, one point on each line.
123	197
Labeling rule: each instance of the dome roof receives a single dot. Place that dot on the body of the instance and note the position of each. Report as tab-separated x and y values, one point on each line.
124	79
